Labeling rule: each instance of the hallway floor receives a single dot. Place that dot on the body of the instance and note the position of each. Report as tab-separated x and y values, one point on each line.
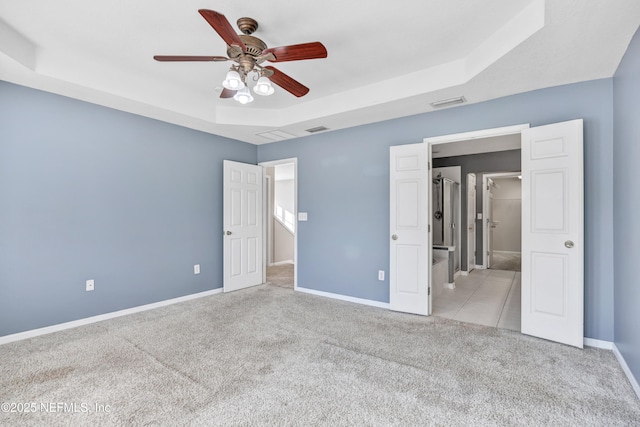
484	297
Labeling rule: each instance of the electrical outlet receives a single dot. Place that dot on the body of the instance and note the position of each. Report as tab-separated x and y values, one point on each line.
90	285
380	274
196	269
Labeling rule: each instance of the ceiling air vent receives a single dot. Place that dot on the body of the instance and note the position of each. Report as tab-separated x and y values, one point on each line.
448	102
317	129
276	135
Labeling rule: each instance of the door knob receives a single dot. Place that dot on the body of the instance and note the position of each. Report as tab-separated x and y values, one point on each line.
568	244
228	233
394	237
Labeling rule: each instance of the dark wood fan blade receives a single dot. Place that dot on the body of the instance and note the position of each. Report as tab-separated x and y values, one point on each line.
227	93
222	27
297	52
169	58
287	83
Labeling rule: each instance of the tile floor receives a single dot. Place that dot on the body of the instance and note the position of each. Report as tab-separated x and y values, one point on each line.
485	297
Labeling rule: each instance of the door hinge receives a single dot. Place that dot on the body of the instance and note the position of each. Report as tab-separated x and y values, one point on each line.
429	165
429	228
429	291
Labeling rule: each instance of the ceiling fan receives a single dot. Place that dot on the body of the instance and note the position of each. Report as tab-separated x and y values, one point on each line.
248	53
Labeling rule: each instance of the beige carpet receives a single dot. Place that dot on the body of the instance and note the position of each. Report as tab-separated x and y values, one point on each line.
270	356
280	275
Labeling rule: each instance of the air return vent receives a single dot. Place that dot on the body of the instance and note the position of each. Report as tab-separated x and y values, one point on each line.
276	135
317	129
448	102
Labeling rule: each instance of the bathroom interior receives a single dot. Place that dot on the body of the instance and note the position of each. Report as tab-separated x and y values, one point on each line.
446	250
480	294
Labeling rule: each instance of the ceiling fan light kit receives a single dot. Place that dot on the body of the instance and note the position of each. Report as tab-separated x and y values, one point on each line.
243	96
248	53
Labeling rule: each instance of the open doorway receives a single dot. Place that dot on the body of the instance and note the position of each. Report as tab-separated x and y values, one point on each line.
502	212
281	225
482	294
552	164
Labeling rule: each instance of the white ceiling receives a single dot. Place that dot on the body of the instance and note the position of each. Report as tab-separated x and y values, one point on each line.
385	59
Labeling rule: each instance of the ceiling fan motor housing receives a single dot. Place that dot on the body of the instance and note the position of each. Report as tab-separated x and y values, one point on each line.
254	45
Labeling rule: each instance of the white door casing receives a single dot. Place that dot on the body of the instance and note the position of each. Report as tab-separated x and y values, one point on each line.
553	232
471	221
242	221
409	266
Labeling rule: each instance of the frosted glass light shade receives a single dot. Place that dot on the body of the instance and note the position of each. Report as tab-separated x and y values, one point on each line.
233	81
263	87
243	96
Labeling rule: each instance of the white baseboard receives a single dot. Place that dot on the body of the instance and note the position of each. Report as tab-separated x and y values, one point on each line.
86	321
465	273
344	297
480	267
286	261
627	371
591	342
450	285
507	252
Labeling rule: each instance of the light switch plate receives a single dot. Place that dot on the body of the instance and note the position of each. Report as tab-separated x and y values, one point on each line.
302	216
196	269
479	215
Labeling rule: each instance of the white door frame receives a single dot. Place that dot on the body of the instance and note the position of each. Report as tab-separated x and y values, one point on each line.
293	160
485	209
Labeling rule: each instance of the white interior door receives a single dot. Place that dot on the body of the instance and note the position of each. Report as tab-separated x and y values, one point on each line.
471	221
242	219
410	262
553	232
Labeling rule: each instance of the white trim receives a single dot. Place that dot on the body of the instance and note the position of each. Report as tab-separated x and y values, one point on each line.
88	320
465	273
507	252
591	342
486	133
480	267
286	261
344	298
627	371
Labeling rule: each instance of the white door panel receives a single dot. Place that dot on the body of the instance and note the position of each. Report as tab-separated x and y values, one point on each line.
242	219
553	232
409	266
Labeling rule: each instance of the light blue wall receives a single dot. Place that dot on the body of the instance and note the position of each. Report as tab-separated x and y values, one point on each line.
344	186
87	192
626	179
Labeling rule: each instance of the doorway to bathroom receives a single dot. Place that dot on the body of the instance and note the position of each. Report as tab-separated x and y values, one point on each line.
482	227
